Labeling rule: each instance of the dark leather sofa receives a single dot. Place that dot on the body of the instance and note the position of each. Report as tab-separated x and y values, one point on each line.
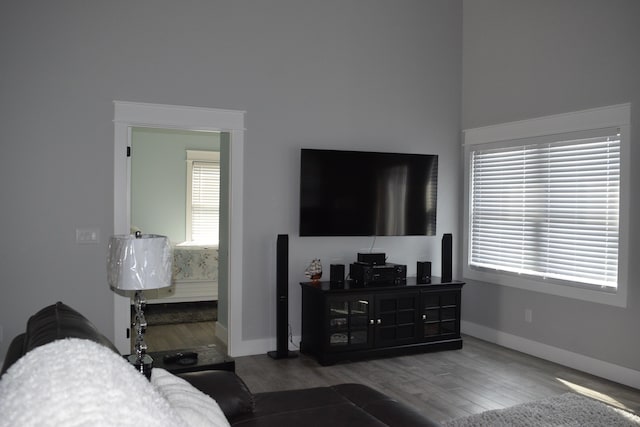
352	405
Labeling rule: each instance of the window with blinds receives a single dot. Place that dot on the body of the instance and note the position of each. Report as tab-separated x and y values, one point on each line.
547	209
203	197
547	204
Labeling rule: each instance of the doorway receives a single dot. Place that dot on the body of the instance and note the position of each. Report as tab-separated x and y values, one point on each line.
175	192
128	116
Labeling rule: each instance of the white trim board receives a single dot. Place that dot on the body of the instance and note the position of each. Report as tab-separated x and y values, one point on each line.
264	345
136	114
595	118
579	121
596	367
222	333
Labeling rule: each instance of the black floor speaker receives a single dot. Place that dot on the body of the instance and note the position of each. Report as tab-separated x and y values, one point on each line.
447	253
282	300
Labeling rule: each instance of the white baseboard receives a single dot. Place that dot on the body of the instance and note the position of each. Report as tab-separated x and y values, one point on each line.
222	333
596	367
262	346
257	346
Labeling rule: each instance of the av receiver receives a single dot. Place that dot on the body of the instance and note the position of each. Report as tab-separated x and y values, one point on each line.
364	274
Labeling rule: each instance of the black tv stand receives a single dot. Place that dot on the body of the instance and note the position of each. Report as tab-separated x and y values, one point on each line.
345	323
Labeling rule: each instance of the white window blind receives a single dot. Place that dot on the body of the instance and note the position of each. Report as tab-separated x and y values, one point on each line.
547	209
203	197
205	202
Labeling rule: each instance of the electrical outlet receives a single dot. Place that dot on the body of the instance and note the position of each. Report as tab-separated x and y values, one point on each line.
87	235
528	315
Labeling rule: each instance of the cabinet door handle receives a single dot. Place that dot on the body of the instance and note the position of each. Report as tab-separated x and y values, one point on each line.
371	322
424	317
379	321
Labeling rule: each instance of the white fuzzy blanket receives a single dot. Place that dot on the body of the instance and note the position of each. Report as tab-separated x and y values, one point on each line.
76	382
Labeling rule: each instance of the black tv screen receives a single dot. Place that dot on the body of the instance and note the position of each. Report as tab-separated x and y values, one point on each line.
356	193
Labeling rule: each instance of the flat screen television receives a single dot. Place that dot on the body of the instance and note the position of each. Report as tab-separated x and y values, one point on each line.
357	193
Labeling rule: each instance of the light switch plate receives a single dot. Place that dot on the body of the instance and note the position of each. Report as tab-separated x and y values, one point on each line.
87	235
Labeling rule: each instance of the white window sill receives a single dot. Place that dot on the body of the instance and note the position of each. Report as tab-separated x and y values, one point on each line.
616	298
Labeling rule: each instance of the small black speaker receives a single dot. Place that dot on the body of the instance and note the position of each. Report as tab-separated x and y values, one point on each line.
282	299
373	258
423	275
336	274
447	254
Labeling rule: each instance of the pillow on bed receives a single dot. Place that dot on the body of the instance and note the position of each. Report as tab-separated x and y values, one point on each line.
193	406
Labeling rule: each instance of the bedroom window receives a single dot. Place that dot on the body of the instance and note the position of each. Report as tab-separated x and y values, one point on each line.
544	204
203	197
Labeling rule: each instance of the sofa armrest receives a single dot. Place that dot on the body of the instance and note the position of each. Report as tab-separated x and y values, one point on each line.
388	410
14	352
226	388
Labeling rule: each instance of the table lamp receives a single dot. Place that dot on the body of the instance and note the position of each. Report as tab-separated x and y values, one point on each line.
136	263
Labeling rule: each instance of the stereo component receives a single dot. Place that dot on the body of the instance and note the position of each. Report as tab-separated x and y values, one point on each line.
423	275
378	258
282	299
364	275
336	274
447	254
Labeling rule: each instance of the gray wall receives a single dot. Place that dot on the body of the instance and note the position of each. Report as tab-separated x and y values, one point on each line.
526	59
358	74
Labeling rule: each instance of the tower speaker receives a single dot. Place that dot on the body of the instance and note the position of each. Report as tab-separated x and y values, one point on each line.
423	275
336	274
447	253
282	299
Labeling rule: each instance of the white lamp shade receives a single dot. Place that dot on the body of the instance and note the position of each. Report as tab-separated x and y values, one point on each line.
139	263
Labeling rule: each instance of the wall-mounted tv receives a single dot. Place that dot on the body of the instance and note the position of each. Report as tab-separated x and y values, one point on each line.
357	193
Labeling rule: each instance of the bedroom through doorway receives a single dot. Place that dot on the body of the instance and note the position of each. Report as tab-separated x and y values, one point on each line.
175	191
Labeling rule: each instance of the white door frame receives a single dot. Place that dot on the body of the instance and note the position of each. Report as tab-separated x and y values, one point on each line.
133	114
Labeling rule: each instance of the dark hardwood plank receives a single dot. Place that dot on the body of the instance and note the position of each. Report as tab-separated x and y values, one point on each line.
441	385
180	336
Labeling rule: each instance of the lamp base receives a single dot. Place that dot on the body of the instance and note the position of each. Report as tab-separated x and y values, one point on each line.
144	366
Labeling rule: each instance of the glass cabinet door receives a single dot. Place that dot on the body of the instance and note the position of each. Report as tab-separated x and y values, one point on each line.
396	318
440	315
349	322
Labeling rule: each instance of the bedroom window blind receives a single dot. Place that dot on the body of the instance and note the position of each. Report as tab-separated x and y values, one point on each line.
203	197
205	201
548	209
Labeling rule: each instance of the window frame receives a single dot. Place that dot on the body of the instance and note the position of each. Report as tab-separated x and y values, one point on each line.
194	156
586	120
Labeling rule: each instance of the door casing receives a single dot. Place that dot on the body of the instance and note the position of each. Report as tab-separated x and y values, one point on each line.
133	114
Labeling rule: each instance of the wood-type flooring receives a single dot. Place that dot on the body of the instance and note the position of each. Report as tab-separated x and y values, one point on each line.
180	336
442	385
